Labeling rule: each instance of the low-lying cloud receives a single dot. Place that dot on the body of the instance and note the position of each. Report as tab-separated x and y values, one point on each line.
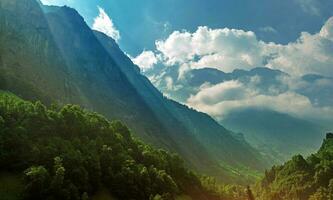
221	99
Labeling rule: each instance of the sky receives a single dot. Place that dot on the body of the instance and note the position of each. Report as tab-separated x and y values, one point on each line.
293	36
142	22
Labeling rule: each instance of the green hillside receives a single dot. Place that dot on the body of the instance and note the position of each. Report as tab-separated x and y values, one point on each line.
300	178
69	153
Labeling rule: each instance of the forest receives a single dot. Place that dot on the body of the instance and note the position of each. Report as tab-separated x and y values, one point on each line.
70	153
300	178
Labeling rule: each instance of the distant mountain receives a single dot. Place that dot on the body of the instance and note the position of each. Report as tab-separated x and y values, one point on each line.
277	135
191	82
318	89
274	133
300	178
214	76
50	54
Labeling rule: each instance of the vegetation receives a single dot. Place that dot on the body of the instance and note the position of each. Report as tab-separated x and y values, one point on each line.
301	179
70	153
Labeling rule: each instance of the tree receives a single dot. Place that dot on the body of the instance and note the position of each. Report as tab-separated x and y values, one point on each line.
85	196
321	194
2	124
37	181
57	182
249	193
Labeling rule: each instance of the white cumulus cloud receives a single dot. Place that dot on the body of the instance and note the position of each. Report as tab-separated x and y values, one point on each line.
57	2
221	99
311	53
225	49
146	60
104	24
230	49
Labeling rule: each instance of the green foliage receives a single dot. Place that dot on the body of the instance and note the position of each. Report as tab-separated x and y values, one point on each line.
300	178
11	186
69	153
225	191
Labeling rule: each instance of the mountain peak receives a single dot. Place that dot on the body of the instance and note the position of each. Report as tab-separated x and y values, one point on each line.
327	146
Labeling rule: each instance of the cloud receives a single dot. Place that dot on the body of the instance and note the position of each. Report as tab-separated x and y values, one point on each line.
309	6
104	24
268	29
225	49
221	99
146	60
309	54
230	49
57	2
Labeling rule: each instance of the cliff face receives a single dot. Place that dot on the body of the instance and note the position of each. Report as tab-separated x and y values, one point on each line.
50	54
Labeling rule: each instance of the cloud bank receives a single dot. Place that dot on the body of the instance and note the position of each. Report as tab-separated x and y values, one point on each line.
230	49
221	99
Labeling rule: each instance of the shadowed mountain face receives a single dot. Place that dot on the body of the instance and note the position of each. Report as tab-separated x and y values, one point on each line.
50	54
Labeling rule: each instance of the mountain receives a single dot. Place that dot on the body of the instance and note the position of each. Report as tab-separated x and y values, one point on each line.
214	76
318	89
50	54
195	78
277	135
299	178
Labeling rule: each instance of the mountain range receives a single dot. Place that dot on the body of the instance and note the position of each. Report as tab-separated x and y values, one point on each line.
50	54
278	135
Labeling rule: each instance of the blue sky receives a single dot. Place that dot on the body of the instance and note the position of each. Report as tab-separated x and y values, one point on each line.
142	22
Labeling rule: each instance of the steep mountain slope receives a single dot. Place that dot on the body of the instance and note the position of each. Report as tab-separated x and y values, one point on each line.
301	179
26	46
53	55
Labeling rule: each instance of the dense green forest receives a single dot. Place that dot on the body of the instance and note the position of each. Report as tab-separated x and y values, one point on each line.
301	179
70	153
